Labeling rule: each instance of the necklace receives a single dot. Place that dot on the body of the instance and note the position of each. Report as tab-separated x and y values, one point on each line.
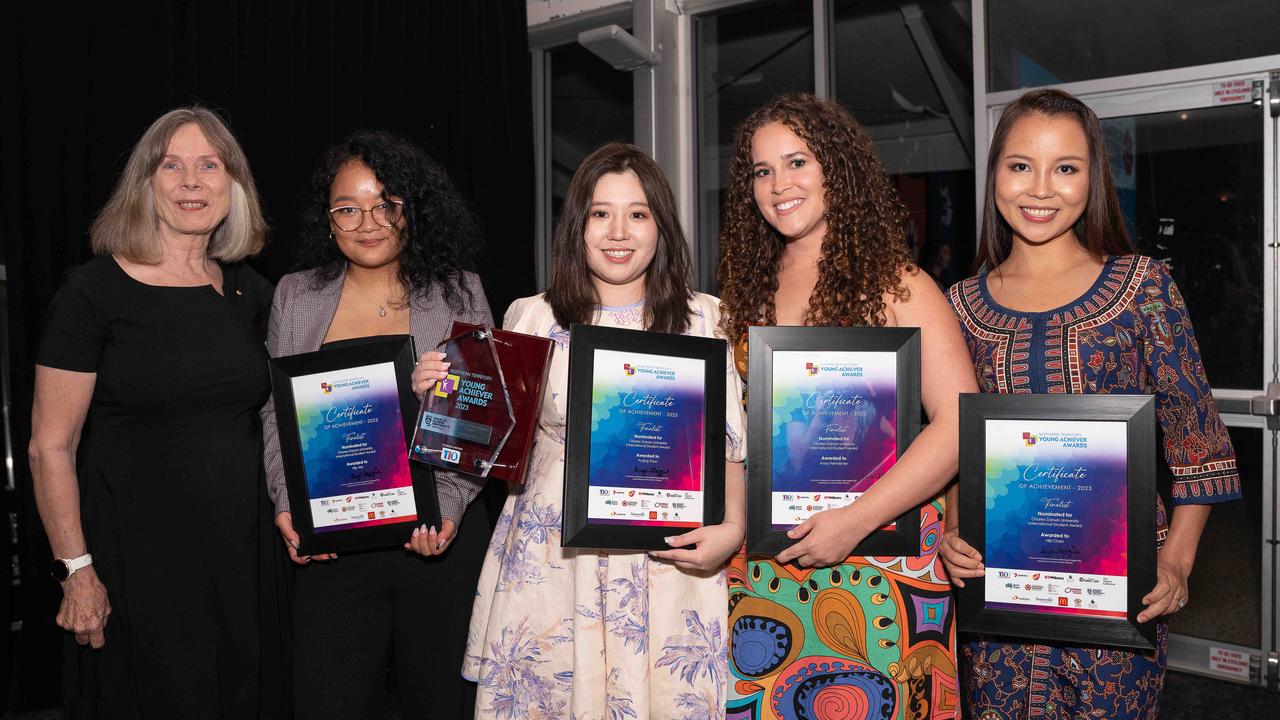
382	306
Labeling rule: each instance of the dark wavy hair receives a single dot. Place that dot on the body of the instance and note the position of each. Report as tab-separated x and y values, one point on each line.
667	290
864	251
442	237
1100	228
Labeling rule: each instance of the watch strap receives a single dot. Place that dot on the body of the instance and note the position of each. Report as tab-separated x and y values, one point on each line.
76	563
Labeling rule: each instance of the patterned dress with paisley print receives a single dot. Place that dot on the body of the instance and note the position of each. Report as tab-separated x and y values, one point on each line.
869	639
1128	334
576	634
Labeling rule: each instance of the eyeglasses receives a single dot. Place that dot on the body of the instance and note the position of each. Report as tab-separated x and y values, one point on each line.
350	217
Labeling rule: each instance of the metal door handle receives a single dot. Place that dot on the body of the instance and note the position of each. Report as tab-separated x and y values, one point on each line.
1267	405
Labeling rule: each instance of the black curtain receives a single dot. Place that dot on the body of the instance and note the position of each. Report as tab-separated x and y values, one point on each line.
292	78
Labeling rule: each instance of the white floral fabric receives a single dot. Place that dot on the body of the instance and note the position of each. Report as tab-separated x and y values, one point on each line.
593	635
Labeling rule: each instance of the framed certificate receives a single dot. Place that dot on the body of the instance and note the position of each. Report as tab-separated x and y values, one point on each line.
829	412
1058	494
344	417
644	449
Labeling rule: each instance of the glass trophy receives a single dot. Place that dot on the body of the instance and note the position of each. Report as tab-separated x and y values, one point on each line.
466	418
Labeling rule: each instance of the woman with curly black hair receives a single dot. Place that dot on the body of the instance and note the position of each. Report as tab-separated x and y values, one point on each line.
814	234
387	248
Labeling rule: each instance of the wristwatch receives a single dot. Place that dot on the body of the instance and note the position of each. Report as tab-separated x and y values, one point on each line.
61	569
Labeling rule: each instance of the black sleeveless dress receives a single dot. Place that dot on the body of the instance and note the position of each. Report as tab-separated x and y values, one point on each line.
173	501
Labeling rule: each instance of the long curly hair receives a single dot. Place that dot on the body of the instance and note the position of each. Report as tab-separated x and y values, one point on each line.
864	251
442	237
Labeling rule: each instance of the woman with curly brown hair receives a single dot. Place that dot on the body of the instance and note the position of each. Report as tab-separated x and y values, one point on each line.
814	234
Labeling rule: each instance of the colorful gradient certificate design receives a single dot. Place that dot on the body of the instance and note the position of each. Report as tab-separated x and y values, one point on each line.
353	449
646	440
834	429
1056	517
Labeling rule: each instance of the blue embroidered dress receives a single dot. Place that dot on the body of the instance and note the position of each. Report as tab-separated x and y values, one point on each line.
1128	334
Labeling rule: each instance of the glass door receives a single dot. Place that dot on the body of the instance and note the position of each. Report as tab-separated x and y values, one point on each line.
1195	169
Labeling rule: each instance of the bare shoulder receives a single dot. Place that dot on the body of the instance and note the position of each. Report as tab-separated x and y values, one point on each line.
923	299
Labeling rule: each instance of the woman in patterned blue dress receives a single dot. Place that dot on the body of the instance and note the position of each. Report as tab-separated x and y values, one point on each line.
1065	306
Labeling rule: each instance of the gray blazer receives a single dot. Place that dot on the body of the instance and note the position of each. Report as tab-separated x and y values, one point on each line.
300	317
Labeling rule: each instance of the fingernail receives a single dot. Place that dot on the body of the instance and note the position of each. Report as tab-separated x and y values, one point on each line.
668	540
432	530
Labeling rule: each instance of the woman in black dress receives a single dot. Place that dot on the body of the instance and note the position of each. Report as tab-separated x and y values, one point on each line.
146	441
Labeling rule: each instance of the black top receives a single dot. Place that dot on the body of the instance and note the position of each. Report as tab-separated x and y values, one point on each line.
173	504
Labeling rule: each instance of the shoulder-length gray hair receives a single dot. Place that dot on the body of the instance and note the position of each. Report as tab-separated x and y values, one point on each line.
127	224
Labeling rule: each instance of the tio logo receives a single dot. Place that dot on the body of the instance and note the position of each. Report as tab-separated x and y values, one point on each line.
451	454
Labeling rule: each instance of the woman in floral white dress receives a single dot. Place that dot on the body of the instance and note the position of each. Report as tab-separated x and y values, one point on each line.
585	634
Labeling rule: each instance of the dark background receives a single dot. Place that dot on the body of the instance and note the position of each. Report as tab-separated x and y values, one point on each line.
291	78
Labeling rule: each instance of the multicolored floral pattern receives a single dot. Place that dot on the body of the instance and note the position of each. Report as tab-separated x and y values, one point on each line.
586	635
1129	334
871	638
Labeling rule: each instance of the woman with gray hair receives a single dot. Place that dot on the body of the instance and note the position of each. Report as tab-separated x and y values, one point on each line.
146	445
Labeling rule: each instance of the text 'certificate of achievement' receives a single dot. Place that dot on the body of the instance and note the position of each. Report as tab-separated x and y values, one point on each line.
1057	517
646	440
834	429
353	448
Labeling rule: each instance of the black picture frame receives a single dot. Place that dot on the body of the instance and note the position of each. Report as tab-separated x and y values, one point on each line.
1137	412
584	342
347	356
764	341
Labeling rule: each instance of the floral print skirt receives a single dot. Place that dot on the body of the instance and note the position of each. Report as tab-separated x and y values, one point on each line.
584	634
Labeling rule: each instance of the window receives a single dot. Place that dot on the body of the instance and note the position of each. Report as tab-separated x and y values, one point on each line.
743	57
1032	42
905	70
591	104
